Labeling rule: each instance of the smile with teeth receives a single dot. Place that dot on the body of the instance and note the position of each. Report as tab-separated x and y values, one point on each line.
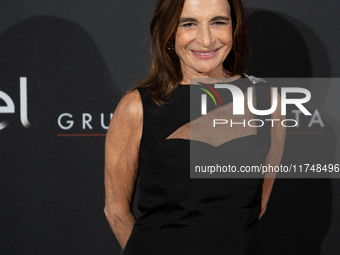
204	53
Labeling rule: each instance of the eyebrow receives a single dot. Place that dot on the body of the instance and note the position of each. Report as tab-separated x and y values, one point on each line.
183	20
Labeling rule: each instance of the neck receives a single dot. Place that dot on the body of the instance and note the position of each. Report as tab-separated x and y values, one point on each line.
188	77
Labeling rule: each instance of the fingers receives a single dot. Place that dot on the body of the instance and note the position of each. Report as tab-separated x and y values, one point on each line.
263	210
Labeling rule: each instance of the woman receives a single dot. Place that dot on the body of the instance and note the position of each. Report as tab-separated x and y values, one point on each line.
190	39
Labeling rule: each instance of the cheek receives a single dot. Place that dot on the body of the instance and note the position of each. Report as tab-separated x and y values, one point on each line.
183	38
226	37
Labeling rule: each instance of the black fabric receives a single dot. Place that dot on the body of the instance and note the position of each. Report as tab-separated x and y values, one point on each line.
181	215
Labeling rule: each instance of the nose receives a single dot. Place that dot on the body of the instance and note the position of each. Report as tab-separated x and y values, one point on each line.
204	36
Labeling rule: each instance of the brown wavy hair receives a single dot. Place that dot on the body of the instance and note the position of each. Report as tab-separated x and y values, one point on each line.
166	73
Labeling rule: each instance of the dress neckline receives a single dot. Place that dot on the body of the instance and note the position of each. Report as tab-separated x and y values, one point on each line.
189	85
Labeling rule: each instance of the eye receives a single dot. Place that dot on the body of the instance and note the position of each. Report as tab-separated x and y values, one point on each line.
219	23
187	25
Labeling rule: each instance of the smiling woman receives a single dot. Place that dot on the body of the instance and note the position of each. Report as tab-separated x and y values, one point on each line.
180	28
204	39
150	133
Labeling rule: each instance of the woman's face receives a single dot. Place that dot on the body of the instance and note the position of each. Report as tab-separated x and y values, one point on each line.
204	38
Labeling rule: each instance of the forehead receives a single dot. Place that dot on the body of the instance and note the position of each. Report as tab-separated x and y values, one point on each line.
205	8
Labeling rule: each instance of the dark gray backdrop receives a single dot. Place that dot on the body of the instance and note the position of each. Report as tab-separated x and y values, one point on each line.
79	58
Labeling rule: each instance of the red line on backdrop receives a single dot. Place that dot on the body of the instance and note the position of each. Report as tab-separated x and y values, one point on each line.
70	135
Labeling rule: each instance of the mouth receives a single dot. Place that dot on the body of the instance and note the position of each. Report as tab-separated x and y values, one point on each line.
204	54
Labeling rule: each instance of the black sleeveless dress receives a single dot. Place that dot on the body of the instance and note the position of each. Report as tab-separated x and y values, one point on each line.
189	216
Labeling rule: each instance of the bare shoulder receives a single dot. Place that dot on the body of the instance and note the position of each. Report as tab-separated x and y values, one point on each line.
277	113
128	116
131	105
129	109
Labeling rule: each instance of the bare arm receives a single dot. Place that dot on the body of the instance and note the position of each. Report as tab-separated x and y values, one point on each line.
278	134
121	164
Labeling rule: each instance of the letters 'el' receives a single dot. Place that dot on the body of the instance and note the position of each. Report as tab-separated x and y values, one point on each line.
10	107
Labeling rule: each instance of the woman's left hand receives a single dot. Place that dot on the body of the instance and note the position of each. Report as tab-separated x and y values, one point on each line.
267	187
264	202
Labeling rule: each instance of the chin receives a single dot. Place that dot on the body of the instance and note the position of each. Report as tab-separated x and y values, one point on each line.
205	70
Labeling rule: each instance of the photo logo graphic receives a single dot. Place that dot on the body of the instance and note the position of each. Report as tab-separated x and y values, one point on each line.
238	103
204	97
238	99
